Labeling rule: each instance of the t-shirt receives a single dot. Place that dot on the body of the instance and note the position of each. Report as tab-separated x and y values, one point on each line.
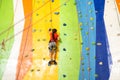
55	37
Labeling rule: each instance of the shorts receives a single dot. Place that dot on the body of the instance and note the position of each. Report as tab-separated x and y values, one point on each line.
52	47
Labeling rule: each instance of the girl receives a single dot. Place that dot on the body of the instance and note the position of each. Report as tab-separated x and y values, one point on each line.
53	46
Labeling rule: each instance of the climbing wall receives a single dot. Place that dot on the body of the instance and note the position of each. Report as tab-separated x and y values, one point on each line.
87	24
83	49
6	33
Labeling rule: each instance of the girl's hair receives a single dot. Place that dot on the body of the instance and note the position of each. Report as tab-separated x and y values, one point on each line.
53	31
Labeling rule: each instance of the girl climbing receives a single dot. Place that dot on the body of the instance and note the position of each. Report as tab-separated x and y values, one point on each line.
53	46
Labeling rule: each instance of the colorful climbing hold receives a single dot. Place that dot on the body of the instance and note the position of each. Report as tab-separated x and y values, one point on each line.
82	69
38	69
75	38
91	18
96	75
64	24
99	44
81	29
88	53
26	55
92	28
93	43
80	24
38	40
87	48
82	58
44	39
52	0
65	34
34	30
64	49
75	3
87	33
37	14
64	75
89	68
43	58
32	70
89	3
65	4
80	15
100	63
56	13
90	11
82	63
32	50
50	20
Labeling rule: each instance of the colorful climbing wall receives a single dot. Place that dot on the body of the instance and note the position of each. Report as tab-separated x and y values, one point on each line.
83	48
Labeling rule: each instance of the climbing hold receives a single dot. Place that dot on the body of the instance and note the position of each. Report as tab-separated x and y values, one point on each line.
26	55
38	70
32	50
37	14
90	11
87	33
92	28
44	39
100	63
80	15
49	29
34	30
82	63
89	68
56	13
118	61
64	49
65	34
32	70
91	18
82	69
38	40
93	43
64	75
81	29
65	4
96	75
82	58
111	25
88	53
79	12
52	0
80	24
75	3
99	44
50	20
96	11
43	58
87	48
75	38
89	3
81	43
64	24
95	57
118	34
